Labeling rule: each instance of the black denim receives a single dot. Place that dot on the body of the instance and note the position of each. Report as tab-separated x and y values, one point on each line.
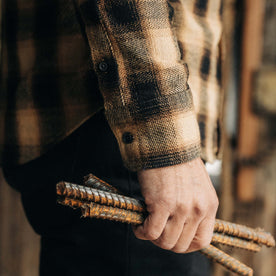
71	245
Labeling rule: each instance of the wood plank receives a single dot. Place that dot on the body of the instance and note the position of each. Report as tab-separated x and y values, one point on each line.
269	46
248	121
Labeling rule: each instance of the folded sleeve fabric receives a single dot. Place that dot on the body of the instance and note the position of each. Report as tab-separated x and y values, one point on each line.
147	99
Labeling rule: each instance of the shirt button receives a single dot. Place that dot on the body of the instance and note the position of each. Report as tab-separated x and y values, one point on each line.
103	66
127	138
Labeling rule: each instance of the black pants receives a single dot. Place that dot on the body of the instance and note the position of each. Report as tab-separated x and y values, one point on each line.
71	245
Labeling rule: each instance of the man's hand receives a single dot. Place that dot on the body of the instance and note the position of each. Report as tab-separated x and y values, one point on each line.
182	206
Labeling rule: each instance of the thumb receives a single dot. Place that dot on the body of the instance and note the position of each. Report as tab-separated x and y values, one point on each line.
152	227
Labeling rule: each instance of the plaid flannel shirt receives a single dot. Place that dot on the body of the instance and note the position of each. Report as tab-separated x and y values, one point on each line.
62	61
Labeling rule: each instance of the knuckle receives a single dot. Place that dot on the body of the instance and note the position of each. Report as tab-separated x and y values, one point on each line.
182	208
199	210
196	246
215	203
149	200
182	247
179	249
151	235
151	204
137	234
166	245
202	243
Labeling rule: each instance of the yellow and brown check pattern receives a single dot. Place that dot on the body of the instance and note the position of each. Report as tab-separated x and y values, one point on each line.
62	61
198	28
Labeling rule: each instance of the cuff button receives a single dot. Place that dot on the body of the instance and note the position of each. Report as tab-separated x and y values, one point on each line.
103	66
127	138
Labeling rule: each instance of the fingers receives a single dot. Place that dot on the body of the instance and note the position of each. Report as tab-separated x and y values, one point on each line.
198	228
181	203
153	226
183	230
171	233
175	232
203	235
186	237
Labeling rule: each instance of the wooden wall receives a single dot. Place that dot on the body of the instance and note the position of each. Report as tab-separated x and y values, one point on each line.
19	245
248	182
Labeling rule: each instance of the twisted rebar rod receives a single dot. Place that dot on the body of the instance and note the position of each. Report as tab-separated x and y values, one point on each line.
116	200
257	235
98	199
88	194
227	261
107	212
93	181
94	210
235	242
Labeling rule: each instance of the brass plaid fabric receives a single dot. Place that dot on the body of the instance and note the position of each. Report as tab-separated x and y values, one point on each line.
62	61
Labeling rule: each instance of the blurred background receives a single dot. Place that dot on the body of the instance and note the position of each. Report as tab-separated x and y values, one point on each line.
245	179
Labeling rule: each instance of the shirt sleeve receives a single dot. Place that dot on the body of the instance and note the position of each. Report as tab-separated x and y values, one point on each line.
147	100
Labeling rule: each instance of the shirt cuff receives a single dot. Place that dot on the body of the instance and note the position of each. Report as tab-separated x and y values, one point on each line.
162	135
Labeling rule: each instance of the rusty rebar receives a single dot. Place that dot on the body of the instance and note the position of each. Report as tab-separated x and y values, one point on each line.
93	181
98	199
88	194
227	261
257	235
235	242
107	212
240	231
94	210
116	200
